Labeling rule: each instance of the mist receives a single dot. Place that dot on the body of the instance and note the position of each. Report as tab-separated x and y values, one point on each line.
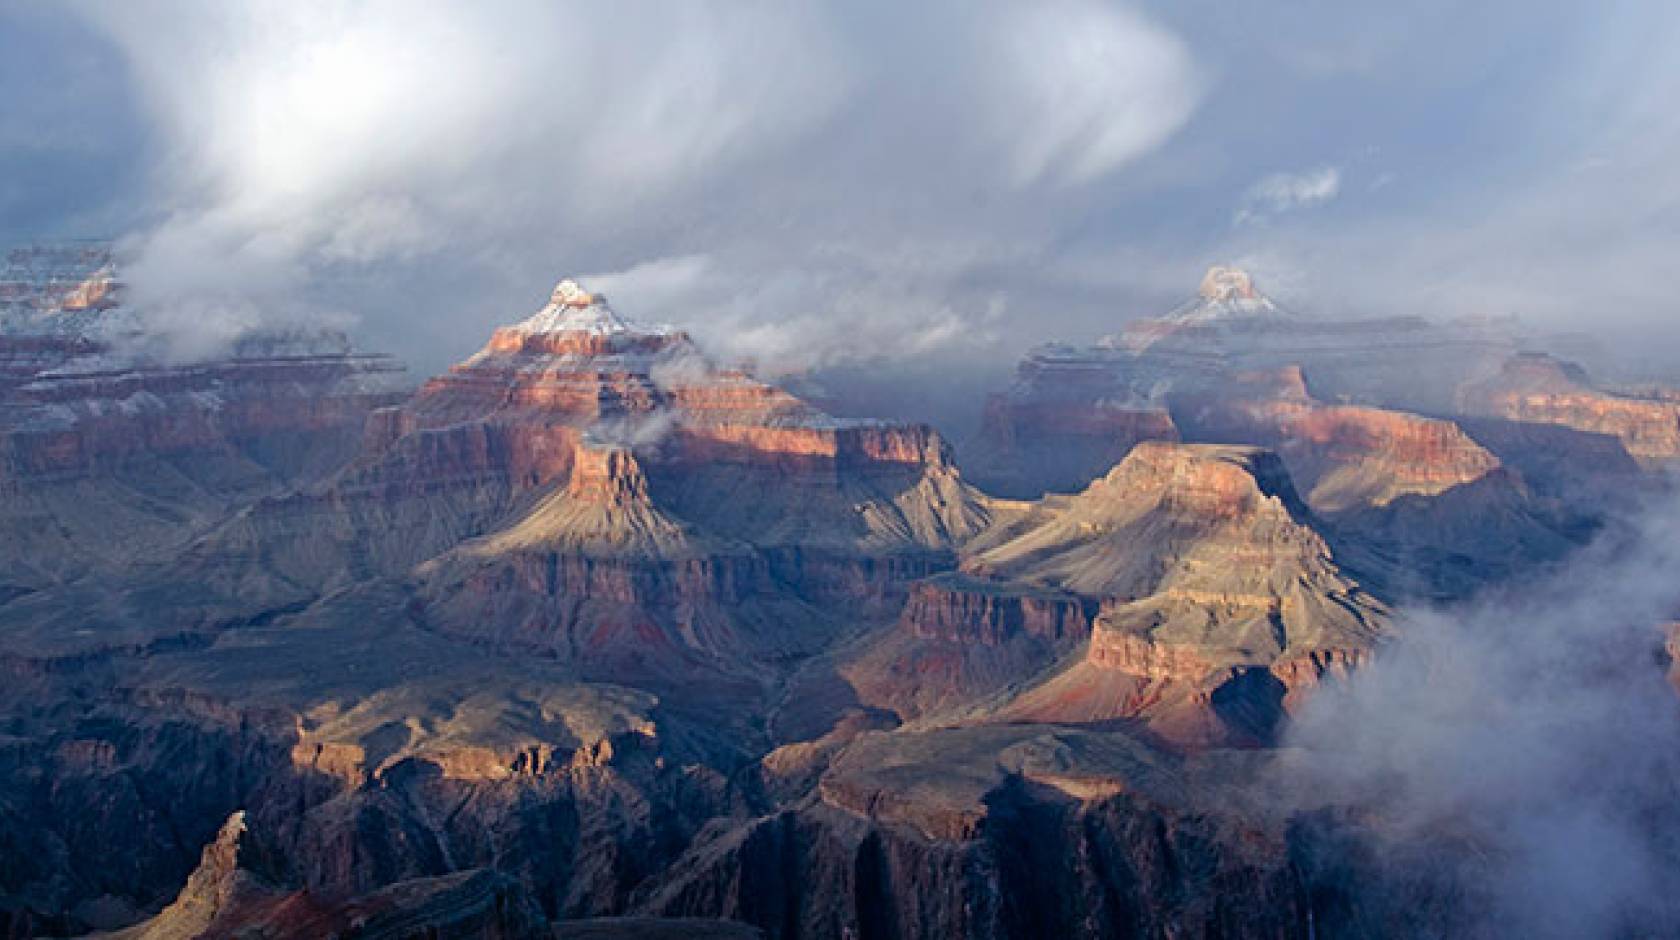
1517	760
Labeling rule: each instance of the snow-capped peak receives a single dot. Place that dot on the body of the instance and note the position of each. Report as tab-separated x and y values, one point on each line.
569	293
1225	293
1226	284
572	309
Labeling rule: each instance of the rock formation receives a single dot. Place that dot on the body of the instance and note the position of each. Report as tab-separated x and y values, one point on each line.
1077	399
1539	389
595	491
1189	576
45	281
225	897
592	637
676	510
1414	502
1342	456
108	454
1066	420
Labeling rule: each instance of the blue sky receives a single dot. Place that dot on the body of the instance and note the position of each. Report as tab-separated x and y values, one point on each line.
806	182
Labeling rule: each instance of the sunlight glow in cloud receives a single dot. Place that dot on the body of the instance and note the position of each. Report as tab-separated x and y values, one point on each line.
304	139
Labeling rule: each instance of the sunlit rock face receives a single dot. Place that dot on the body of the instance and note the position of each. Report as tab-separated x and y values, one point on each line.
1417	505
1539	389
578	373
231	892
1232	584
598	491
1202	598
1342	456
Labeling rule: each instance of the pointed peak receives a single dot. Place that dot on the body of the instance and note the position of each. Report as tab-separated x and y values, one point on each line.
573	309
569	293
1224	284
1225	293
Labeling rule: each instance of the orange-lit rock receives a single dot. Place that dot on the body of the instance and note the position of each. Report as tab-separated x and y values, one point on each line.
1142	657
1543	390
967	611
599	492
1343	456
1205	595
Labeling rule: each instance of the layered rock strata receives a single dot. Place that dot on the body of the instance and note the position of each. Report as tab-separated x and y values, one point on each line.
1539	389
110	454
599	492
1098	401
1186	577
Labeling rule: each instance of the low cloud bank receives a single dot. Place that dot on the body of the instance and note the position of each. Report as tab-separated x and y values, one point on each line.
1518	760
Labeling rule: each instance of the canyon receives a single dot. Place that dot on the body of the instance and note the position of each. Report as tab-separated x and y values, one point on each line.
592	636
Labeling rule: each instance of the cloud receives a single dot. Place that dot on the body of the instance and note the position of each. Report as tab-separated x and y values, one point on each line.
355	134
1287	192
301	146
430	168
637	432
282	110
1515	762
796	320
1085	87
657	288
